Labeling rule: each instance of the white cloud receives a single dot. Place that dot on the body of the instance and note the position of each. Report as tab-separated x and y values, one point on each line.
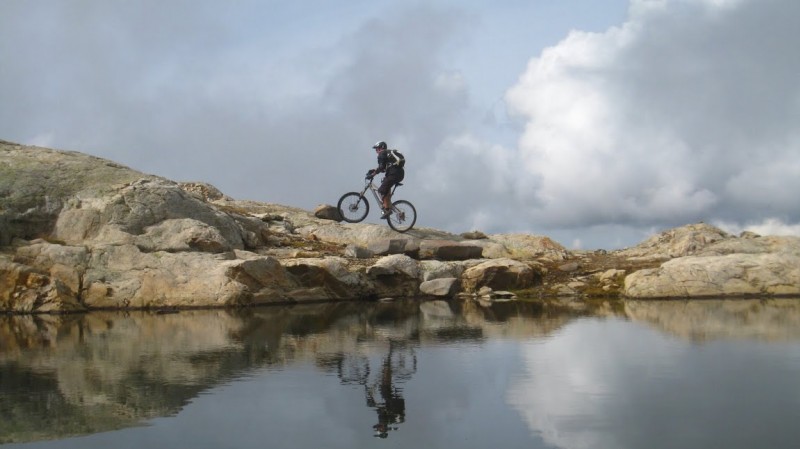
575	382
769	226
688	111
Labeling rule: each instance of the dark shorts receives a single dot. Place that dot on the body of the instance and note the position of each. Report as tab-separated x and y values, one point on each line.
392	177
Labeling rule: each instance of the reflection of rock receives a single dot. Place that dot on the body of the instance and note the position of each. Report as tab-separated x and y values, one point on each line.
108	370
699	320
514	319
436	310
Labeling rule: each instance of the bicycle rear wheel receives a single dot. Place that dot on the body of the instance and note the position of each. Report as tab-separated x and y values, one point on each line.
403	216
353	207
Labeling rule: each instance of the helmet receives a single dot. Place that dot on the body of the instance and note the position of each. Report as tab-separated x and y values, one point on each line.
380	145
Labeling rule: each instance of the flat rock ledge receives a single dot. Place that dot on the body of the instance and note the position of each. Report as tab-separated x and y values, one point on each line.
97	235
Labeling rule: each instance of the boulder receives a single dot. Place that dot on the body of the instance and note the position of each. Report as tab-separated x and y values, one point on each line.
444	287
448	250
499	274
473	235
435	269
350	233
385	247
395	264
569	267
521	247
358	252
327	212
395	275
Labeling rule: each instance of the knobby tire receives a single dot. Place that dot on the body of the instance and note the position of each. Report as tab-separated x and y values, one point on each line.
353	207
403	216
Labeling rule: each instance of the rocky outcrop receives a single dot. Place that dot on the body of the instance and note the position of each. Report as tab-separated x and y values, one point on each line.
94	234
678	242
764	266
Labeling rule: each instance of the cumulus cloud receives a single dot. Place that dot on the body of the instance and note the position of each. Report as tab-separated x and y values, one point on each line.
690	110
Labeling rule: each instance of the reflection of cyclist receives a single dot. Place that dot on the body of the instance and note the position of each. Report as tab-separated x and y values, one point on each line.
392	407
394	174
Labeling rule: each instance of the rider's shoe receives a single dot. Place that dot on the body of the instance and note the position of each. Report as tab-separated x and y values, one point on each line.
386	213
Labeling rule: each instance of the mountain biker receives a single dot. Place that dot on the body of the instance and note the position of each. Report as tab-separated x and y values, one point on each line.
394	175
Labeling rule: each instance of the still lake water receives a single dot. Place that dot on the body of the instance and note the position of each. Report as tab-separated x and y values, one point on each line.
658	374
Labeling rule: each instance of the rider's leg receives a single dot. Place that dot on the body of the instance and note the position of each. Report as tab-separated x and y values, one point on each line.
385	191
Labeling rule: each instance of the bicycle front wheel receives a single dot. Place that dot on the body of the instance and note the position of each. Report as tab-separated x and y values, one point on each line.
403	216
353	207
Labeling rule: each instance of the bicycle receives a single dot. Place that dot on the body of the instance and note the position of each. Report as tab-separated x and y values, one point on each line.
354	207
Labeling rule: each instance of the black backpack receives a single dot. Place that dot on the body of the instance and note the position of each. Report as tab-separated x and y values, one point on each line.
399	159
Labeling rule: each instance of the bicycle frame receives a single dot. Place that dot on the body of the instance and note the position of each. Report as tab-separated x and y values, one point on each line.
370	185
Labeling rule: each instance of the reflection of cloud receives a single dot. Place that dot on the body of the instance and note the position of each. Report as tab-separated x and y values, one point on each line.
572	378
615	384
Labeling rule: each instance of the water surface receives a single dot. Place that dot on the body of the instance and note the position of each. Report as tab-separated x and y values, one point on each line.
671	374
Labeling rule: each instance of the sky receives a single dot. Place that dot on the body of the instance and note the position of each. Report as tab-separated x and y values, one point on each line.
595	123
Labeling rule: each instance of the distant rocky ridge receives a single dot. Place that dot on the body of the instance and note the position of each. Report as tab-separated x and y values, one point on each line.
79	233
